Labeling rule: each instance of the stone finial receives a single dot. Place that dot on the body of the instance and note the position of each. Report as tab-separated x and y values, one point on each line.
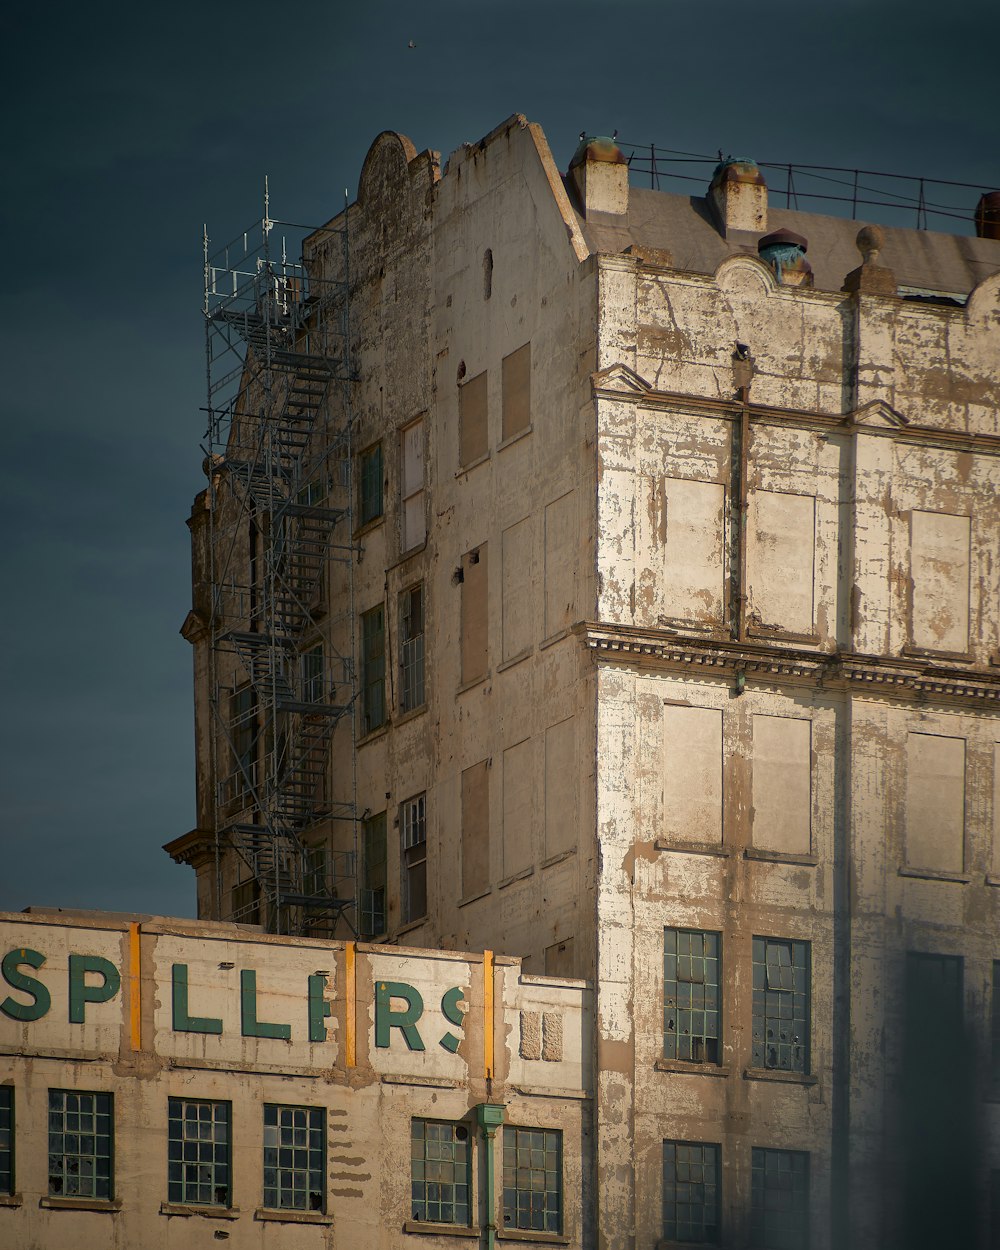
870	241
870	278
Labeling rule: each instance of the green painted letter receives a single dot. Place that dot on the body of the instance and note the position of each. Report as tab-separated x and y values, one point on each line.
450	1011
406	1021
319	1008
183	1023
80	993
42	1000
250	1025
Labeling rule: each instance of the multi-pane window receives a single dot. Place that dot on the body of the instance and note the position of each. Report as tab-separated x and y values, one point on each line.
373	878
244	734
370	484
312	674
411	648
996	1023
246	902
691	1015
373	668
414	523
294	1157
80	1144
532	1179
6	1139
440	1172
779	1199
780	1004
413	831
691	1189
198	1152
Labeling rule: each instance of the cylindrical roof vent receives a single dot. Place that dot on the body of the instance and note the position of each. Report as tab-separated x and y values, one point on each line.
784	252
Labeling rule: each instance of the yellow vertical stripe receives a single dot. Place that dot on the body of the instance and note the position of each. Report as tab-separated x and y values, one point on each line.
489	1014
351	1004
134	985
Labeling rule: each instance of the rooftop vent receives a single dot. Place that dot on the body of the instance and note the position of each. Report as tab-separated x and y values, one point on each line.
784	252
738	196
988	215
600	175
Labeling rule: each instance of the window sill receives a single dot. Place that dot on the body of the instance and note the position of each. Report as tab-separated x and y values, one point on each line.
558	636
368	526
558	858
206	1212
291	1217
472	682
992	878
463	469
474	898
81	1204
780	1075
692	848
10	1200
687	1245
930	653
409	553
690	1068
935	874
780	857
410	926
403	717
374	734
440	1230
516	659
517	1234
515	437
516	876
773	633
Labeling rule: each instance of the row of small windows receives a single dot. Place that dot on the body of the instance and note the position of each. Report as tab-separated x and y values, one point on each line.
692	1007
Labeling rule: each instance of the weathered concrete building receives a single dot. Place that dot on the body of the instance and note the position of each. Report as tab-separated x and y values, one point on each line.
661	652
171	1084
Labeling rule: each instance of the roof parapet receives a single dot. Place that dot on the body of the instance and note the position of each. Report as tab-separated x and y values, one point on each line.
870	278
599	174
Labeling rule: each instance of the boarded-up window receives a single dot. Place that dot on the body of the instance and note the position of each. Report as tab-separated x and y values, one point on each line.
692	774
518	589
560	563
935	802
561	780
693	568
518	807
475	618
475	829
414	525
560	959
516	392
780	560
782	785
473	430
939	568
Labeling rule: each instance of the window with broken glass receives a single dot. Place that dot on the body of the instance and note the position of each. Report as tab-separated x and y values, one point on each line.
411	648
440	1172
198	1152
413	831
779	1199
370	484
691	1189
294	1158
80	1144
780	1034
373	669
691	1003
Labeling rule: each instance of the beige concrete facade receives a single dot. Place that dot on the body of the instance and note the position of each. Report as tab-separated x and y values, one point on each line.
150	1010
712	619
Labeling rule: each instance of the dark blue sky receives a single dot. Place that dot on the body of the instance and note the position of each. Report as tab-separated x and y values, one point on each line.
129	126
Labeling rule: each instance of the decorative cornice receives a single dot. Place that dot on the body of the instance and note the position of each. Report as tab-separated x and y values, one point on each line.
786	663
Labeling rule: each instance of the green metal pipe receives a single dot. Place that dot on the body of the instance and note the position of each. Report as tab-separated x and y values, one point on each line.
489	1117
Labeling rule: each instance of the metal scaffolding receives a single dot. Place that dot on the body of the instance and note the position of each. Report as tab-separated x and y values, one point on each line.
282	671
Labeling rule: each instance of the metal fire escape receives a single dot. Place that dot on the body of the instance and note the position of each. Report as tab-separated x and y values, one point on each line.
282	672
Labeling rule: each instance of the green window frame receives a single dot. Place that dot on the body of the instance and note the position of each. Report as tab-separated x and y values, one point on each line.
411	648
440	1172
81	1144
781	1004
199	1152
373	708
692	1188
532	1179
692	1006
413	855
779	1199
370	496
6	1139
374	875
294	1158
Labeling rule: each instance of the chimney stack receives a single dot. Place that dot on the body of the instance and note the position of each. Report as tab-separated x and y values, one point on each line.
738	196
600	176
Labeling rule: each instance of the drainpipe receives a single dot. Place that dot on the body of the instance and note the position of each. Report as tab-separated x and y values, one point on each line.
489	1117
743	370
